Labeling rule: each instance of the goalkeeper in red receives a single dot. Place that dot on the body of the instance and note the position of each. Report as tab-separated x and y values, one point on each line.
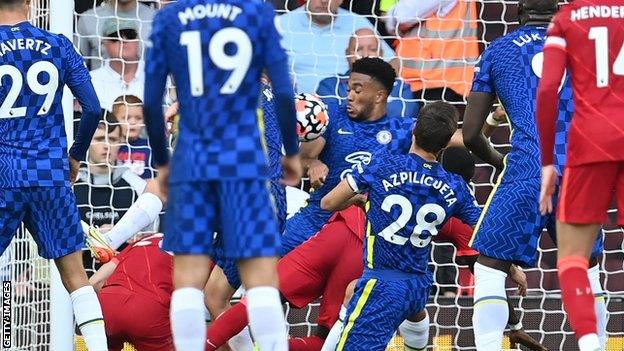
588	37
216	51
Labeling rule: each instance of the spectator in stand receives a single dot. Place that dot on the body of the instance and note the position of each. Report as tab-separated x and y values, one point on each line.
365	43
316	36
105	191
438	46
122	72
91	23
135	152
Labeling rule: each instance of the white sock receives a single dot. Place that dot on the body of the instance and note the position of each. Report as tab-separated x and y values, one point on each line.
334	334
143	212
187	319
599	304
589	342
415	334
89	318
266	318
242	341
490	314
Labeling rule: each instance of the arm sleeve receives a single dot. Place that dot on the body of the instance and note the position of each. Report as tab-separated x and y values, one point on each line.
469	212
555	58
483	81
156	70
85	94
361	182
276	63
78	80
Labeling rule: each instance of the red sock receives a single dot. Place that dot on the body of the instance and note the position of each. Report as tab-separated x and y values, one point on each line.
227	325
577	296
309	343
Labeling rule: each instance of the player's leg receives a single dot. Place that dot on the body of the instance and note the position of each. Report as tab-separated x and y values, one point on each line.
218	292
415	331
333	337
191	220
577	226
147	324
222	284
143	212
251	235
343	254
54	222
593	274
376	311
508	231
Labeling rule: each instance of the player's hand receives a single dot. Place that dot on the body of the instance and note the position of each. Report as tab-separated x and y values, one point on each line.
161	183
317	172
517	275
549	178
521	337
291	166
74	166
170	114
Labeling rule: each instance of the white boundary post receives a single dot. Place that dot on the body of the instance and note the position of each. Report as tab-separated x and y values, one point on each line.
61	312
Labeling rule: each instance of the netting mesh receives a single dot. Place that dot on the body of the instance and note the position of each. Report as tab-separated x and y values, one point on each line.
450	306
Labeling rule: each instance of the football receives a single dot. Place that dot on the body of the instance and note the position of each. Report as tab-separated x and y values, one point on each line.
312	117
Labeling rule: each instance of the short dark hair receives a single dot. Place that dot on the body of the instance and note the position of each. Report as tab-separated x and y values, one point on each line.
458	160
377	69
10	3
108	121
435	126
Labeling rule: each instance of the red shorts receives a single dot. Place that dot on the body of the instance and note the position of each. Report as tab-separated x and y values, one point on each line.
136	319
323	266
587	191
459	234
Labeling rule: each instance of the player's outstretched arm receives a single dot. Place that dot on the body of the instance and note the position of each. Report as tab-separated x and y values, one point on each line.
477	110
340	197
547	103
88	100
98	279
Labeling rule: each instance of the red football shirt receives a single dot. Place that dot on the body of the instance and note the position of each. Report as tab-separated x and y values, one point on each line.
587	36
144	269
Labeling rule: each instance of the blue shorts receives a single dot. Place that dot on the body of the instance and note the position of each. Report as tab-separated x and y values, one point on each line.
50	215
279	196
511	224
300	227
241	209
378	307
551	227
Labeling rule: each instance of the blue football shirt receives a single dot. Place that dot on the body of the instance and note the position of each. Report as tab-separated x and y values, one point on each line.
409	200
351	144
216	51
35	65
510	68
272	134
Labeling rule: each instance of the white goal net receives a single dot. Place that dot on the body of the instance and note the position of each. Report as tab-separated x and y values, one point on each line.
450	306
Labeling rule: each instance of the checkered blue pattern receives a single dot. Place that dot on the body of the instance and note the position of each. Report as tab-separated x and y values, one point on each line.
380	180
383	309
505	69
219	134
349	146
241	210
50	215
510	226
564	120
551	226
33	148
